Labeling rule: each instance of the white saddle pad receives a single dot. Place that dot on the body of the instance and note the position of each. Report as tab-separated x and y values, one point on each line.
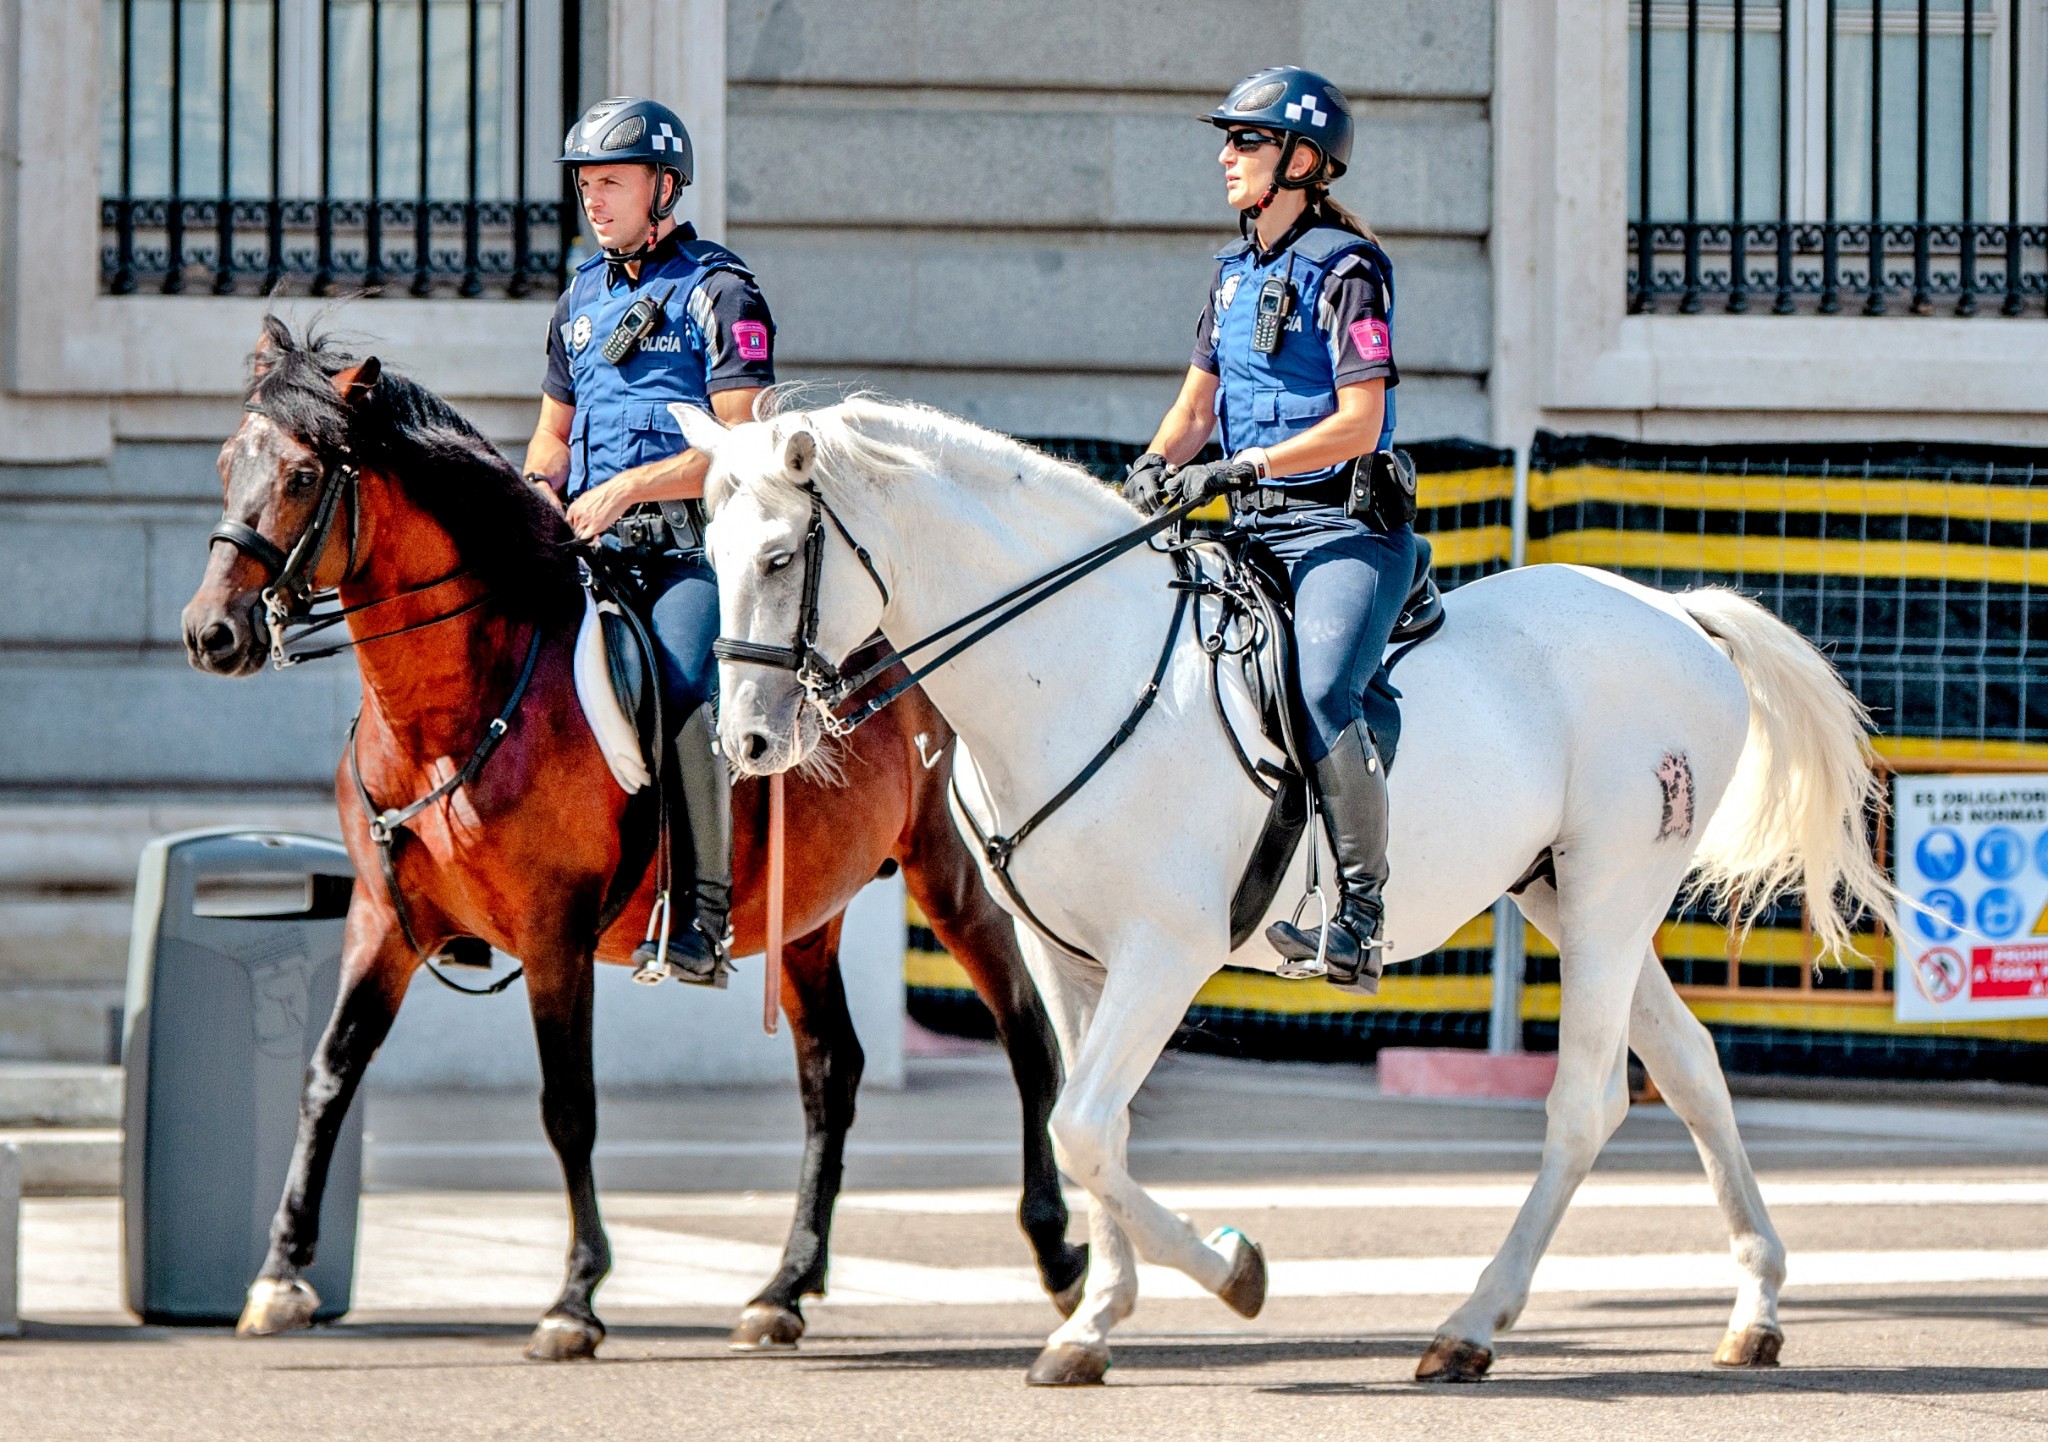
609	722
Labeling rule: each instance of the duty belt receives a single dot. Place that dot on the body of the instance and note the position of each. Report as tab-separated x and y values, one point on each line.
1265	500
658	528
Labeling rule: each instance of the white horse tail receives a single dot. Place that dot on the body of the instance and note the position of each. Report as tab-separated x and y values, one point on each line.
1796	811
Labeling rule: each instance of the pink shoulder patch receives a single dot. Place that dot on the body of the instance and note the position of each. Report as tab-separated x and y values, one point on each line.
750	339
1371	339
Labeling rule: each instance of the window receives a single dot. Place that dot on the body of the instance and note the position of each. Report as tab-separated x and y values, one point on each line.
1814	153
341	143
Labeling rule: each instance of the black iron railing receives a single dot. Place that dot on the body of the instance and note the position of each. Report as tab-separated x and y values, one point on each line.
1809	155
392	158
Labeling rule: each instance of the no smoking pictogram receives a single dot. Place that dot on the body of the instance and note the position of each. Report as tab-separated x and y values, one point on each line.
1940	974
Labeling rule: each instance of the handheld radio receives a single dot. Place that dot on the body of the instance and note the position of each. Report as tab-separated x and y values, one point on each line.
642	319
1276	303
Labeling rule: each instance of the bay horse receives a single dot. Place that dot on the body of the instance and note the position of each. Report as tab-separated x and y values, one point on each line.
1569	735
459	579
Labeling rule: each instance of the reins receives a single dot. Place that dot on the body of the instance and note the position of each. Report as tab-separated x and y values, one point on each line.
288	601
823	681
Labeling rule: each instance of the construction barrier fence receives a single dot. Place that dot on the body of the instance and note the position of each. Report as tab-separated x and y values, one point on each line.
1913	568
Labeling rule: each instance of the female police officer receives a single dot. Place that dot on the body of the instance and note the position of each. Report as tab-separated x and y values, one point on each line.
658	316
1294	357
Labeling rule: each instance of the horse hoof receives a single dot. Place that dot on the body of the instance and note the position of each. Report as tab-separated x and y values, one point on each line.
1069	1297
564	1339
765	1327
1067	1364
1752	1347
1453	1359
1244	1290
276	1306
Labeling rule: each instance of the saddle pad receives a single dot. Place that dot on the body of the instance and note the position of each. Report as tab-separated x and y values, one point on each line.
609	723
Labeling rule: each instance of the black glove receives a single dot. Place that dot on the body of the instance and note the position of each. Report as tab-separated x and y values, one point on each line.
1145	482
1211	478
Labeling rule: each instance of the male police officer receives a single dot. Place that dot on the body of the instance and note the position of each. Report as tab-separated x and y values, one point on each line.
658	316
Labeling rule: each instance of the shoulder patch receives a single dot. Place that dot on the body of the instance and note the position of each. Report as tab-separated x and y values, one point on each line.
750	340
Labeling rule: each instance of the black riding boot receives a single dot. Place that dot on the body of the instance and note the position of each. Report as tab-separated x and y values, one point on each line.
1353	788
702	794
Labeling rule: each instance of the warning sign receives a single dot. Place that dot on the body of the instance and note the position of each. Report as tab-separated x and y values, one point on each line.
1972	862
1998	972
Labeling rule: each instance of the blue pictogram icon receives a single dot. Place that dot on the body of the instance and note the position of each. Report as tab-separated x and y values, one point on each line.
2000	912
2001	853
1941	855
1949	914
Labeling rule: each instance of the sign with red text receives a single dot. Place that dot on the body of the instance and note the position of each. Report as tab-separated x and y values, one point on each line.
1971	856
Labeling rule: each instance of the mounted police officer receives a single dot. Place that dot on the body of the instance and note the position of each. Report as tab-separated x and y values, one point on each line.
657	316
1294	357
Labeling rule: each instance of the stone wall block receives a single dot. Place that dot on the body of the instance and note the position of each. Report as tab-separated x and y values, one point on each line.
1443	313
1141	44
162	723
995	302
71	579
1401	47
178	555
918	167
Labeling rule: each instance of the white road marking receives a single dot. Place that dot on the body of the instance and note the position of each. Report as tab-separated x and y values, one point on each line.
460	1253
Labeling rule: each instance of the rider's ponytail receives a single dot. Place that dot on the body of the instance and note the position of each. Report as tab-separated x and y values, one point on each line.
1335	212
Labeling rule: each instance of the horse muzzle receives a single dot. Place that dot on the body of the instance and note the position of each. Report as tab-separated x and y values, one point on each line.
764	725
225	639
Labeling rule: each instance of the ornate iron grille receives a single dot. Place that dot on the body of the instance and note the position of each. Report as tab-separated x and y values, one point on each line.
1812	155
329	146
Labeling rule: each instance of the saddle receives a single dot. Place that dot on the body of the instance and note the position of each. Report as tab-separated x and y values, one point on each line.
615	676
1249	638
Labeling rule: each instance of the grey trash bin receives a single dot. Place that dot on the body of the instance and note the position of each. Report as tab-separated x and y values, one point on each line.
232	970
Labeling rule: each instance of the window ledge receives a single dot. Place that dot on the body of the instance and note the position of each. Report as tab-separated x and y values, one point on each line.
1984	365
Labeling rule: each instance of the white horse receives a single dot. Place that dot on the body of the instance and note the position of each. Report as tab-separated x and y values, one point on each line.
1638	738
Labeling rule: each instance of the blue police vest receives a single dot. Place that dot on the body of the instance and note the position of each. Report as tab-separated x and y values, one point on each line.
622	418
1262	400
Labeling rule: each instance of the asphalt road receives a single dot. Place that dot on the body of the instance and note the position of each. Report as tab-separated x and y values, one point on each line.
1918	1305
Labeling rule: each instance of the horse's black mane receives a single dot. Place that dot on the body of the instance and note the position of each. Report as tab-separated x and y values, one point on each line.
508	534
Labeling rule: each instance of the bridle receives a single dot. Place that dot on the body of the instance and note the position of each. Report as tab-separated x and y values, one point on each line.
815	671
829	689
290	591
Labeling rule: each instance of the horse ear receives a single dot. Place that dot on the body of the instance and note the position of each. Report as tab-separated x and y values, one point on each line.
701	429
355	384
798	452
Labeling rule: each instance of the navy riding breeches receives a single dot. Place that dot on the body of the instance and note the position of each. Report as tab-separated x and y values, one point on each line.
1349	585
682	604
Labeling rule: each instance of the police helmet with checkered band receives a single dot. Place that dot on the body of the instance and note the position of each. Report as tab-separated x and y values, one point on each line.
1297	103
629	130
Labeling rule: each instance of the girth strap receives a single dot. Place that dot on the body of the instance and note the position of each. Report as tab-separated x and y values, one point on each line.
386	825
999	850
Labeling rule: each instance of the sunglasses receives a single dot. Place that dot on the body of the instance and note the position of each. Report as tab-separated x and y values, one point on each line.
1248	142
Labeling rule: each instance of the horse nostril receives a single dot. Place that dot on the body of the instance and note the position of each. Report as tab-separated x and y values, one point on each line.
217	639
757	746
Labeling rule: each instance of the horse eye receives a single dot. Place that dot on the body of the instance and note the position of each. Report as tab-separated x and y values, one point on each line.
303	480
779	562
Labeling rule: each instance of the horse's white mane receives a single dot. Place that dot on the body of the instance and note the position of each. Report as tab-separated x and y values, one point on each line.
867	440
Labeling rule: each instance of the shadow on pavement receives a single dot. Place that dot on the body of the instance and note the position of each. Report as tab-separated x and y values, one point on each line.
1948	1383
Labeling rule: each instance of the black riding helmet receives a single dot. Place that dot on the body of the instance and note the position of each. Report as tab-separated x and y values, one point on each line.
630	130
1299	104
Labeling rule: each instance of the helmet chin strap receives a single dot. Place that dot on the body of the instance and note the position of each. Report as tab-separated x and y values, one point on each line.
1248	218
657	212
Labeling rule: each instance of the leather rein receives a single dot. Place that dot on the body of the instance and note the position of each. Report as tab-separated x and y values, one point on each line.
288	601
830	689
290	595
